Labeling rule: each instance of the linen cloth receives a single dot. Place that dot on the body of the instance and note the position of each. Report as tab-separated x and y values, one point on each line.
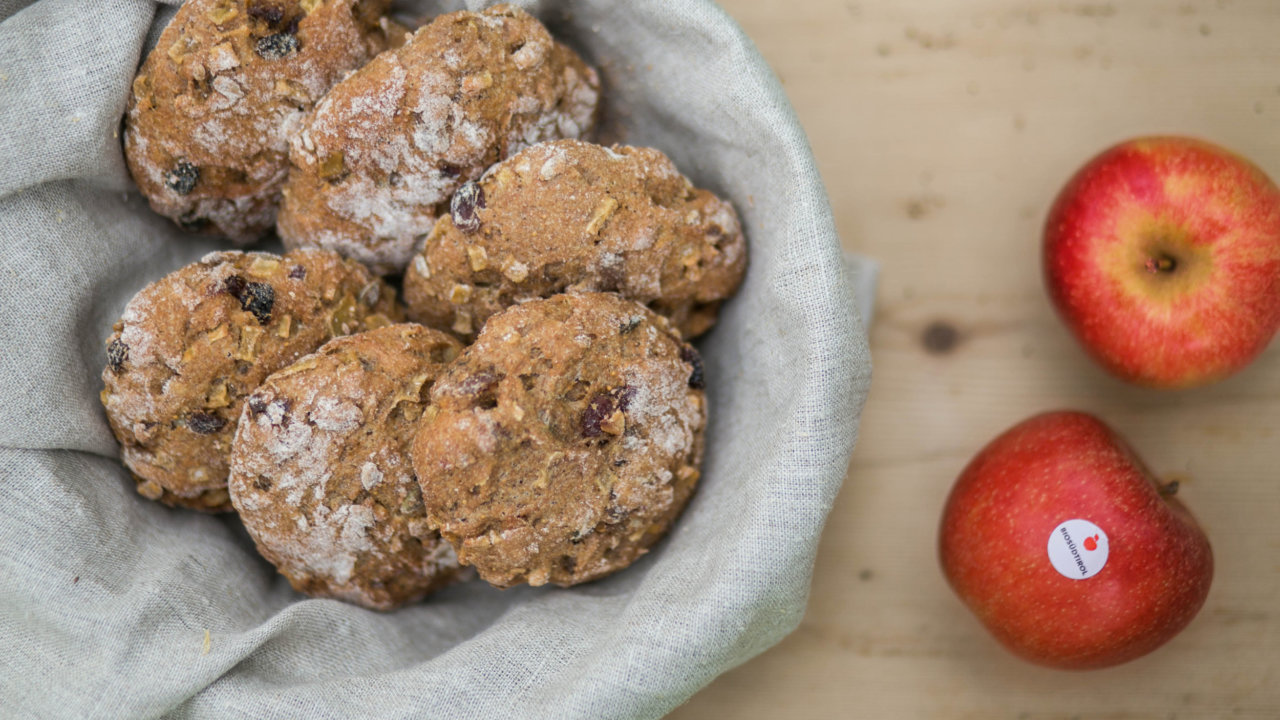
113	606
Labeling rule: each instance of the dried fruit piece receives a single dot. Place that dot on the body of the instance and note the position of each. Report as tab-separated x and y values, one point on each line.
466	203
332	168
478	257
267	12
182	178
462	323
604	413
258	298
204	423
601	215
615	424
248	349
613	272
263	265
181	48
218	395
516	271
459	293
222	12
343	318
691	356
256	404
117	353
293	91
482	385
277	46
234	285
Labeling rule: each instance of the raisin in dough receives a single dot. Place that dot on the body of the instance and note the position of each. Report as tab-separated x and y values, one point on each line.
320	470
193	344
570	216
564	442
206	132
381	155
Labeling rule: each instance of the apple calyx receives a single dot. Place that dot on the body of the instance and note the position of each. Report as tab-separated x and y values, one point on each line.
1164	264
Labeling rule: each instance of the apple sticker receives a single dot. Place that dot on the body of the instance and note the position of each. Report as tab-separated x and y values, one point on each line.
1078	549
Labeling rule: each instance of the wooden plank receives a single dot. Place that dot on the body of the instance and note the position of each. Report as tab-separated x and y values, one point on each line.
943	129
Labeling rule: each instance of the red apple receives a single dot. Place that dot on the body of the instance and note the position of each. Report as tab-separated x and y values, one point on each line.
1013	546
1163	257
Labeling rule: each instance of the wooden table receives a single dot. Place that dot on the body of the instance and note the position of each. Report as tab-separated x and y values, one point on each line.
944	128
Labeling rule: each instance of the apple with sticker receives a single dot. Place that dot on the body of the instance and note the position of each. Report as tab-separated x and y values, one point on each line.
1067	548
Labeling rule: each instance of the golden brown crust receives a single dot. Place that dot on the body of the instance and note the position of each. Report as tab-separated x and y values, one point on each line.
564	442
383	152
320	470
193	344
570	216
206	133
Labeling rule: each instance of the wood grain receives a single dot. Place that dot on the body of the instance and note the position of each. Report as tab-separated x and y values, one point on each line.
943	129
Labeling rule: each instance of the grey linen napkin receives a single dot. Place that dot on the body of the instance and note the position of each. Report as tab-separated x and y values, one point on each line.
112	606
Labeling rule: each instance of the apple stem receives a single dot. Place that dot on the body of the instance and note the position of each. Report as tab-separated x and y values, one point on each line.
1169	489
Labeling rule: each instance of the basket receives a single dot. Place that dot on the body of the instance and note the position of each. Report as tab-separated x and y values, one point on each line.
113	606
